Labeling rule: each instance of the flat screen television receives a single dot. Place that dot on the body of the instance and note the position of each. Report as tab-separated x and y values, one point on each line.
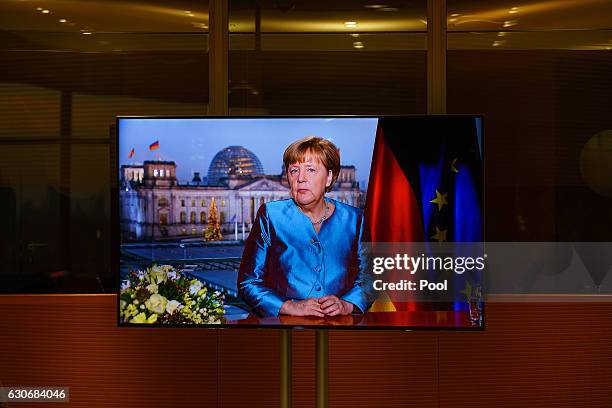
324	222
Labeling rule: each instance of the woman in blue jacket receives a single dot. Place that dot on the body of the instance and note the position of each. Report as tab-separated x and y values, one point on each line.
305	256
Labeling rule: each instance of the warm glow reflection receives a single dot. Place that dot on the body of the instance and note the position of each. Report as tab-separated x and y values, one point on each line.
499	15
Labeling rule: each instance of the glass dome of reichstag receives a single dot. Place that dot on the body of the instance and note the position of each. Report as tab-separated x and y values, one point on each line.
232	160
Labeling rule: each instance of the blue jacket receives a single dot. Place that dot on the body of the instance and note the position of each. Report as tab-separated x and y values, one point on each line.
284	258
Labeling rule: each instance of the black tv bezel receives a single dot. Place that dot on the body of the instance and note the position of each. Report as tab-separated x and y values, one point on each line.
116	228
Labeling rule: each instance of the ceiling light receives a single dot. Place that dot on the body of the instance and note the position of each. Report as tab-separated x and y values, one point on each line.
510	23
514	10
455	15
86	33
39	8
62	20
358	44
375	6
452	20
498	43
354	35
389	9
45	11
350	24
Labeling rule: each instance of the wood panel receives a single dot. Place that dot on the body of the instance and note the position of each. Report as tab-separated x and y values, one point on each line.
383	369
530	355
74	341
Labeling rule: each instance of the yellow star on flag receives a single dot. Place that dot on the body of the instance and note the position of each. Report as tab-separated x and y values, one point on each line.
440	235
383	304
453	168
467	291
440	200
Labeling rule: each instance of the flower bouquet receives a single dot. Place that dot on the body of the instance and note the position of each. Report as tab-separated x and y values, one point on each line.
162	294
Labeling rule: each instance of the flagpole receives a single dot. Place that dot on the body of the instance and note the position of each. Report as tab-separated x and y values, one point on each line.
286	369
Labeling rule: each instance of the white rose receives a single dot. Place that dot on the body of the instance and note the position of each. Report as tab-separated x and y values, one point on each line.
156	303
172	306
195	286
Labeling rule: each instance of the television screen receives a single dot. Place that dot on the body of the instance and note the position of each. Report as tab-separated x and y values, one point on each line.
344	222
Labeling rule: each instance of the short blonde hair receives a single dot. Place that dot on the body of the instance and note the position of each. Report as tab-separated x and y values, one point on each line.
320	148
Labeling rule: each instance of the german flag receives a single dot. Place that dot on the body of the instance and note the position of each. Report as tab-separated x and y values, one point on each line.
154	145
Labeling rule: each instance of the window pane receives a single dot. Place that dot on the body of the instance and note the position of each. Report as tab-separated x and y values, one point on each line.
542	40
510	15
90	221
546	117
311	82
327	58
106	16
28	111
64	76
30	222
340	16
93	115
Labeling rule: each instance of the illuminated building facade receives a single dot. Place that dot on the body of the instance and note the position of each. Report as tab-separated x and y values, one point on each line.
156	205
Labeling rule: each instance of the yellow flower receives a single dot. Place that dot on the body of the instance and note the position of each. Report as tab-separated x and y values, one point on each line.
158	275
131	310
140	318
153	288
156	303
152	319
